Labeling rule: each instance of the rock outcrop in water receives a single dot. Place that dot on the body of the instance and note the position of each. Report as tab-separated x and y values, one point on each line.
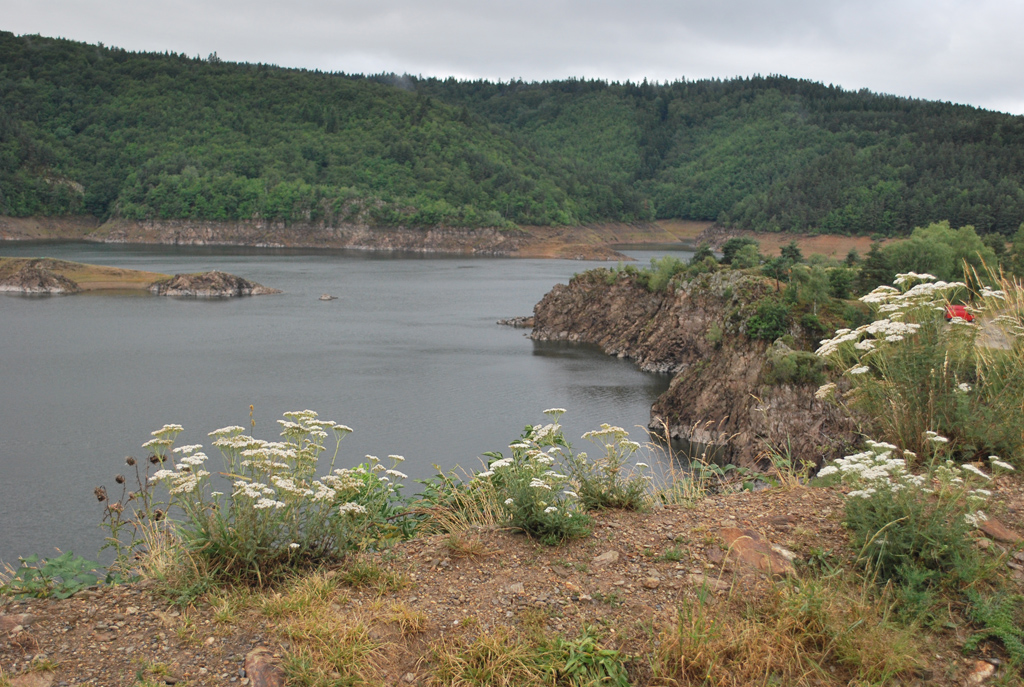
697	333
35	277
209	285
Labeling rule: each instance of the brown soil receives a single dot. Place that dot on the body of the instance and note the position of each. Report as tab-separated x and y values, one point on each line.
465	586
831	246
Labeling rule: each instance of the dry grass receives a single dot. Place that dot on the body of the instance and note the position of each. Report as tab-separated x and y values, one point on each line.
498	659
810	632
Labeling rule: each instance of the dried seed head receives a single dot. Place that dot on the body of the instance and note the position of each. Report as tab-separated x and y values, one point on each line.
130	460
155	459
119	479
100	493
115	507
131	495
158	514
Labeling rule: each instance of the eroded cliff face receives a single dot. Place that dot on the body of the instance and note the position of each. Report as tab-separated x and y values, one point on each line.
697	333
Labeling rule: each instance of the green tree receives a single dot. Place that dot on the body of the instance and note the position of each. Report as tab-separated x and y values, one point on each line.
792	252
876	270
731	247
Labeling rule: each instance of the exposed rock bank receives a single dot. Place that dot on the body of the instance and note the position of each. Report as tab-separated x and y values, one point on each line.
209	285
697	333
34	277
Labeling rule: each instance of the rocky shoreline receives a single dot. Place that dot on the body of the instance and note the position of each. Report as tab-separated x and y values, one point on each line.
717	394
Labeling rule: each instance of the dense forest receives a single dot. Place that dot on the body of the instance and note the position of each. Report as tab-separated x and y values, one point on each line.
101	131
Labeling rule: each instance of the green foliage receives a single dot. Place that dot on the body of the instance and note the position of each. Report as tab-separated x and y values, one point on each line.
913	372
279	516
608	481
795	367
840	282
586	663
1001	617
734	245
791	251
661	272
746	257
714	335
57	578
770	321
703	251
940	250
535	498
106	132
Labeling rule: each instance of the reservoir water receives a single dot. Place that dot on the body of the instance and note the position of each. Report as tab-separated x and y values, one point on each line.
409	355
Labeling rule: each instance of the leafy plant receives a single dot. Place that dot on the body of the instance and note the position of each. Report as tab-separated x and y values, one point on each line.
1001	617
586	663
608	481
537	498
770	320
279	516
57	578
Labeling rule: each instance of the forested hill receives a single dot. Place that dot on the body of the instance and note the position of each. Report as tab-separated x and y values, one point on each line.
101	131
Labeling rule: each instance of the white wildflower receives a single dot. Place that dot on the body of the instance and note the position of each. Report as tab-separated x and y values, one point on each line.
396	459
267	503
828	470
824	391
224	431
550	509
397	474
509	502
294	545
539	484
501	463
860	369
161	475
971	468
996	462
485	474
351	507
964	387
976	518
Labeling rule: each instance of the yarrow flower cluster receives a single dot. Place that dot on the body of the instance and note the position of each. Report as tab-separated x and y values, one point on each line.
882	467
276	498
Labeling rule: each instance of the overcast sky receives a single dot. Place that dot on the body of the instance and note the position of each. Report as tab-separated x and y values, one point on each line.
961	51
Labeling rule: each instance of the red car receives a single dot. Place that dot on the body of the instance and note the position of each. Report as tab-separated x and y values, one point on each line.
958	311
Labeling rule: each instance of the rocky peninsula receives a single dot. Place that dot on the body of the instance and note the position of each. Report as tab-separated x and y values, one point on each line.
696	332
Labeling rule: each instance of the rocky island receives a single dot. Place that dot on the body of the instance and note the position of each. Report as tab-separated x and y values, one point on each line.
48	276
212	284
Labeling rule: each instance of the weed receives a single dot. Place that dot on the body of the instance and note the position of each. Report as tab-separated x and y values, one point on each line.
1000	617
58	577
672	554
362	573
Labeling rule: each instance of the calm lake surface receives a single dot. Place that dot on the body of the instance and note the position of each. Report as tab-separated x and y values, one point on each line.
409	356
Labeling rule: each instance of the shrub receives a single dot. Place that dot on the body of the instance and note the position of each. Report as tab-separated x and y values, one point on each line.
911	371
733	246
535	497
278	515
770	321
795	367
904	522
609	481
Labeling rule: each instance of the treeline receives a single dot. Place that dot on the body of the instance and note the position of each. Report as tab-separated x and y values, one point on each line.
91	130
